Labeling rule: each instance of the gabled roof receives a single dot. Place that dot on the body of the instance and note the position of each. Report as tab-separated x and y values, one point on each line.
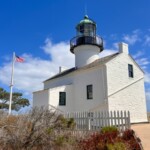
97	62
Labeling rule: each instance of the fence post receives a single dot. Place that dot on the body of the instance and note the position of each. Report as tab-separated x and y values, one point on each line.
88	121
129	125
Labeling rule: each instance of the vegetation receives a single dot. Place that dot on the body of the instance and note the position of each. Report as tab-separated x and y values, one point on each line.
109	129
17	100
111	139
40	129
44	129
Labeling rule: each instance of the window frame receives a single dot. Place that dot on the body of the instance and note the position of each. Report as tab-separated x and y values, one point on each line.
130	71
89	91
62	99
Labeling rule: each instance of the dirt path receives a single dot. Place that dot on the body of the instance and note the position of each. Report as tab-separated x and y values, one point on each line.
143	132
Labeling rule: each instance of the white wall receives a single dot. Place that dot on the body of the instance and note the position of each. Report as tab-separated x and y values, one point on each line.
97	77
125	93
75	85
41	98
131	98
85	54
117	72
65	80
54	97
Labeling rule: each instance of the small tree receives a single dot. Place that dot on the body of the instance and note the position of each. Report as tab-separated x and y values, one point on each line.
17	100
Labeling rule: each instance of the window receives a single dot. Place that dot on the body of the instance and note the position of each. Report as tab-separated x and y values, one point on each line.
62	98
130	70
89	91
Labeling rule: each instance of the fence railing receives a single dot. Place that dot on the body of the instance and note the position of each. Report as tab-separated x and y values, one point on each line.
96	120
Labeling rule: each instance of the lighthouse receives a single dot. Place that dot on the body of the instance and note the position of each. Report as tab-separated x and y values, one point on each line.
86	45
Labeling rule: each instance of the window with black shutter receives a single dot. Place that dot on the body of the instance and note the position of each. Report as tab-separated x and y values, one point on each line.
89	91
130	70
62	98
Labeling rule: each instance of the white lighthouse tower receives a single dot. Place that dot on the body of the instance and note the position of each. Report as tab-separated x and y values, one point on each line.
86	45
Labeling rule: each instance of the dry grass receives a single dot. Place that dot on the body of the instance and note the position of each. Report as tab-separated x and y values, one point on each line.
39	130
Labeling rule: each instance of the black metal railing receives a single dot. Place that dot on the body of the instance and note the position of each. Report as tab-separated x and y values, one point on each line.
81	40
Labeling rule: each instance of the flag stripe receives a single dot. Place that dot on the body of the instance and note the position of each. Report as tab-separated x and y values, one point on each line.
19	59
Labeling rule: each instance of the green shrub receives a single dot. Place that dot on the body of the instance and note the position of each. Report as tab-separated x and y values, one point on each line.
60	140
116	146
66	123
109	129
71	123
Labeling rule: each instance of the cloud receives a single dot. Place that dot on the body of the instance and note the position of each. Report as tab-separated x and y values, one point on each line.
28	76
147	40
60	53
138	54
107	52
141	60
148	95
147	77
133	38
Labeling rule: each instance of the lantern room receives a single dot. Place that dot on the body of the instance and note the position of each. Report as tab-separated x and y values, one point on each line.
86	35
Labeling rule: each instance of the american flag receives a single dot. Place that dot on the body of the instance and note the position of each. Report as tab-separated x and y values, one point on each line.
19	59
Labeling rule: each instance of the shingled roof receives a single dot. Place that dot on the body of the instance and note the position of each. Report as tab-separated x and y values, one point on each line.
97	62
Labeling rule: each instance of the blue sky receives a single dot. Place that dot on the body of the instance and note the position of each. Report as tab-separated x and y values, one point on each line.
40	30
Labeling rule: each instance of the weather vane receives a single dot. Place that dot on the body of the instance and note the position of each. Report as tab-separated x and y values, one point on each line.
85	9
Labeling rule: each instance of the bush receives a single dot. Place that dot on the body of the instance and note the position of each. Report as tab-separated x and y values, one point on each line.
43	129
131	140
40	129
116	146
99	141
109	129
110	139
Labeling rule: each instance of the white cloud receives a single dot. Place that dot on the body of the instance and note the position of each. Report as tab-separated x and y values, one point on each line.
133	38
147	40
147	77
138	54
148	96
107	52
142	61
28	76
116	45
60	53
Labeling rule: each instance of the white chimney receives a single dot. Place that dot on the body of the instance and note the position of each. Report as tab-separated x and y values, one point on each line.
123	48
62	68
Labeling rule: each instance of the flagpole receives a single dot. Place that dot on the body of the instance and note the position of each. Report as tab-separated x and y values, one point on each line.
11	83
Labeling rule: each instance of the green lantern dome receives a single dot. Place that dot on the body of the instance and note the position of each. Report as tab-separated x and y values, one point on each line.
86	20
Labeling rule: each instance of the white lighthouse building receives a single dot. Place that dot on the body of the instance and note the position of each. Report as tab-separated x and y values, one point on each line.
86	45
114	82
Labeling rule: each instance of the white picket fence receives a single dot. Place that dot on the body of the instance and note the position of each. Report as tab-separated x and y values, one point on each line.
93	121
